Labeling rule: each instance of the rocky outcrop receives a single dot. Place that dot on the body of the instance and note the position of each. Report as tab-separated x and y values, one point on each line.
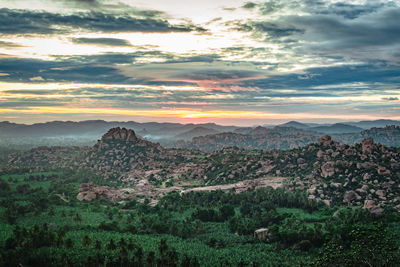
383	171
388	136
325	140
263	234
328	169
90	192
350	196
121	134
289	137
257	138
372	207
367	145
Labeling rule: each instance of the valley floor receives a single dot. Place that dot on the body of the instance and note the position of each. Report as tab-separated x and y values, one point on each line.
43	224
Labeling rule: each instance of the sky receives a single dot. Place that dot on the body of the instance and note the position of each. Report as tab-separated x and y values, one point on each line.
226	61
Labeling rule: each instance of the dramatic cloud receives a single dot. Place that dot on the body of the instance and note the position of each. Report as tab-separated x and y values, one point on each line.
9	45
257	61
331	30
33	22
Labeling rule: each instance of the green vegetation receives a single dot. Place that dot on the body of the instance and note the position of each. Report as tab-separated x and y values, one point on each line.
42	224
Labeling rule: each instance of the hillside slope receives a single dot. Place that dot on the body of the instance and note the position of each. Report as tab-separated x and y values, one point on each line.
337	174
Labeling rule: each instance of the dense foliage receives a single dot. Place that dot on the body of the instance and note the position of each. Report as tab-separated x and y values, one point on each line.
42	224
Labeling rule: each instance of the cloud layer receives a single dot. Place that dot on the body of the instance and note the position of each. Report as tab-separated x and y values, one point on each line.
252	62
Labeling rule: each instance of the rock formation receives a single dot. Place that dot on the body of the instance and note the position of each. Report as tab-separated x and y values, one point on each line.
89	192
120	135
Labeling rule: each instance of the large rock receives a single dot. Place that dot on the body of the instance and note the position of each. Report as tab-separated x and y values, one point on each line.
325	140
366	176
262	234
380	193
350	152
87	196
123	134
383	171
372	207
328	169
301	161
367	145
89	192
350	196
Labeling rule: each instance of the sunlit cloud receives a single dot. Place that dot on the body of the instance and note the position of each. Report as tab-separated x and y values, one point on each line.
223	61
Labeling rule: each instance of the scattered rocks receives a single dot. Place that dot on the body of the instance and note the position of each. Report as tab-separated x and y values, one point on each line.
90	192
350	196
372	207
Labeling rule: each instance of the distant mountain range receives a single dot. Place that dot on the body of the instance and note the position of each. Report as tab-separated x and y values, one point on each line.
283	136
336	129
98	127
360	124
295	124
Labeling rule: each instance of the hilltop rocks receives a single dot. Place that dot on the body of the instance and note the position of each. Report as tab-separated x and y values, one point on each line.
117	134
367	145
257	138
325	140
127	135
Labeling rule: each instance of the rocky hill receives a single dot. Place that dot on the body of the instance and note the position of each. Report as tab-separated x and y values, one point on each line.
209	136
295	124
366	173
284	138
389	135
337	128
195	132
257	138
47	158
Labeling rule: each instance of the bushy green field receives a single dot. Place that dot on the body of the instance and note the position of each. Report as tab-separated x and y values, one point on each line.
42	224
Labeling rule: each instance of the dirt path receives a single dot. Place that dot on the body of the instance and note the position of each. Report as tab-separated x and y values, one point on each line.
145	190
274	182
